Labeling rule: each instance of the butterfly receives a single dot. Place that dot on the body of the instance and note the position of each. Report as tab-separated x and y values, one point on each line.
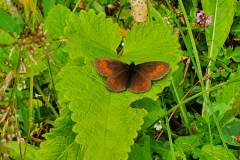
137	78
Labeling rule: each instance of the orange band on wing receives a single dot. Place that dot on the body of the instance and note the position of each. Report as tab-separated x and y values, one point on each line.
159	69
104	67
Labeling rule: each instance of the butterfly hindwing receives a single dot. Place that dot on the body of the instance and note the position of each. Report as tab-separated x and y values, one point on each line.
139	83
118	83
145	72
154	70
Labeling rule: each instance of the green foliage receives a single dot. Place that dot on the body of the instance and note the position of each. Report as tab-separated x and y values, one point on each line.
58	75
231	131
60	143
47	6
163	149
104	118
5	38
227	106
141	149
187	144
222	13
10	23
17	154
236	27
154	109
92	36
227	99
105	123
237	8
236	53
210	152
56	21
151	42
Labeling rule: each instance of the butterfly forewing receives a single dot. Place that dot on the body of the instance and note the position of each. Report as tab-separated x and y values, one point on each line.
154	70
116	73
108	68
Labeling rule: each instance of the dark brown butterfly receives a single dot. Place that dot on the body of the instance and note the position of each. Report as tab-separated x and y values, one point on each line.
137	78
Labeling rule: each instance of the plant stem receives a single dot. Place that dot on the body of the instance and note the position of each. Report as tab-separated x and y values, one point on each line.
173	109
46	100
210	132
170	138
182	107
189	48
13	96
195	52
53	83
219	130
211	55
77	4
199	70
30	108
31	101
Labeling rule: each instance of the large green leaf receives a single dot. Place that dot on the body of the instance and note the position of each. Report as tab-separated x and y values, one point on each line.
222	13
60	142
151	42
105	124
90	35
